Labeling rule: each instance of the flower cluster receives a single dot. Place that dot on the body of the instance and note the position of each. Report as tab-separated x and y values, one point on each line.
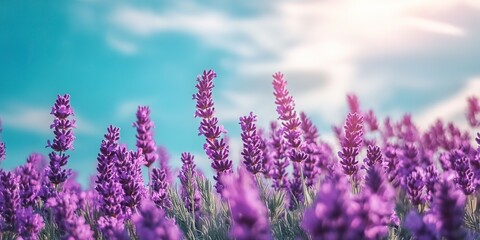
411	184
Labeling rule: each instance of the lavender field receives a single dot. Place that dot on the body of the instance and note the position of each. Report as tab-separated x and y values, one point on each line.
385	179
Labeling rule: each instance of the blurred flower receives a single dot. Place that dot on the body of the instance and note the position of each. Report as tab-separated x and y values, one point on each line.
473	111
420	228
29	224
248	212
448	209
374	156
415	184
152	224
30	180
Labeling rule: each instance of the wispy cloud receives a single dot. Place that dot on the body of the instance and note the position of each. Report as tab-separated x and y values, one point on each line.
453	108
38	120
121	45
325	42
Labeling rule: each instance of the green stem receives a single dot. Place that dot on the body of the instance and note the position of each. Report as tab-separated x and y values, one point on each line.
306	196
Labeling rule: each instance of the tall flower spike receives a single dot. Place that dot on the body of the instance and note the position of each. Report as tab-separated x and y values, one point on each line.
129	175
216	147
107	185
145	141
29	224
63	141
30	180
448	207
290	120
151	223
248	212
280	164
159	188
189	192
9	199
473	111
353	104
465	175
351	143
310	134
251	152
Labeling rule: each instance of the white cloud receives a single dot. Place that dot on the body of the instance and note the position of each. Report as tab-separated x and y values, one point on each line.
452	108
121	45
38	120
328	38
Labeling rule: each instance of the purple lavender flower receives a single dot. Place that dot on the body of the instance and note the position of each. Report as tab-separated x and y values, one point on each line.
280	164
9	199
63	140
392	165
164	159
374	156
353	103
290	120
310	134
421	228
71	225
159	188
189	192
29	224
415	185
371	121
406	129
216	147
107	186
465	175
448	209
30	180
431	177
144	135
473	111
248	212
152	224
251	152
330	216
129	175
351	143
295	186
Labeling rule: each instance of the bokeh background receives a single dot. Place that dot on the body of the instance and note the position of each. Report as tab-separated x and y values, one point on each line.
421	57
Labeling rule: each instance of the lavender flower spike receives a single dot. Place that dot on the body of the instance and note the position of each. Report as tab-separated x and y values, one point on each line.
251	152
144	135
290	120
473	111
9	200
107	185
248	212
152	224
159	188
189	192
448	207
216	147
63	140
129	175
280	164
351	143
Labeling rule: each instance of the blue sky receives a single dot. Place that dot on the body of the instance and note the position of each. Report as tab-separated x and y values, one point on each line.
402	56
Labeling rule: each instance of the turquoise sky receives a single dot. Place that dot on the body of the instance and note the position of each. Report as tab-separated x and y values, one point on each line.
113	56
